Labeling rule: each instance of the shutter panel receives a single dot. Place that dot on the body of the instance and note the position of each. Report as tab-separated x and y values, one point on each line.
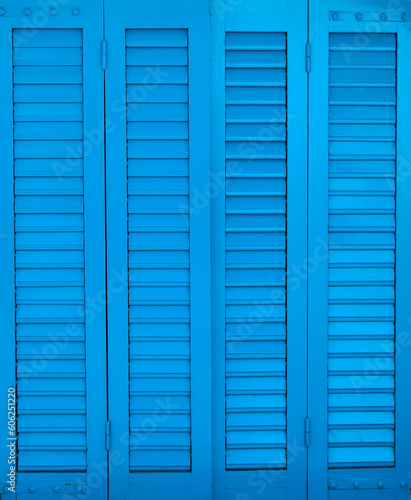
158	230
158	247
49	250
53	295
259	244
362	156
255	249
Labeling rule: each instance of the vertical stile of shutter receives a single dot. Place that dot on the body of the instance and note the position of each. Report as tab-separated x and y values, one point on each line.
49	242
159	260
255	249
362	156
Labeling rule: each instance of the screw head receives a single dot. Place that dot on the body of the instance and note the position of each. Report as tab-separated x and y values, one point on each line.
75	12
380	484
53	12
359	16
32	489
2	11
403	484
383	16
356	484
27	12
56	489
335	16
333	485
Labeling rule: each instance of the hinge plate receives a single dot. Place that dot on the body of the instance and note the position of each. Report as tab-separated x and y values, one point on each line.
103	55
307	432
108	435
308	57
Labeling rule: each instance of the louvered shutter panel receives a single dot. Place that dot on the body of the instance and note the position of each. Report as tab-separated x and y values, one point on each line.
362	157
255	249
258	116
49	225
158	247
159	338
53	273
358	305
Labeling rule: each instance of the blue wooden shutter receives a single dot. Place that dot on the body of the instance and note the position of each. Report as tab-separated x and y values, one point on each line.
255	249
159	339
53	300
358	303
158	247
259	147
362	156
49	225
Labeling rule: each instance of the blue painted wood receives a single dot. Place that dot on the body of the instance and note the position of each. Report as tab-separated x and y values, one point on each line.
96	279
255	244
163	360
200	246
403	271
239	115
318	252
46	298
117	259
165	247
361	307
159	252
217	166
297	241
354	85
7	290
58	183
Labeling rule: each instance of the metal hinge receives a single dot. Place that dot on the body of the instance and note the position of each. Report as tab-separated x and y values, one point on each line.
308	57
108	435
307	432
103	55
